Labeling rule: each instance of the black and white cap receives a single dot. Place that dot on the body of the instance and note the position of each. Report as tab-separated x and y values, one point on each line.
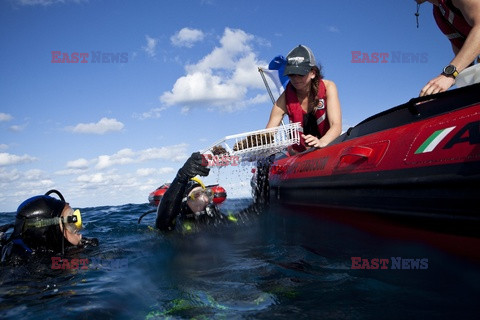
299	61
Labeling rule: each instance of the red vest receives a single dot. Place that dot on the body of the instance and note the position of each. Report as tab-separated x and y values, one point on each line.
296	113
451	22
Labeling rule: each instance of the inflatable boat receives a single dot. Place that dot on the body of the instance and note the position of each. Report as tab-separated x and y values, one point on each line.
155	196
420	159
219	194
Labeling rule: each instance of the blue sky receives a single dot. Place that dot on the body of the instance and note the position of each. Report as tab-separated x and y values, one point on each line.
108	133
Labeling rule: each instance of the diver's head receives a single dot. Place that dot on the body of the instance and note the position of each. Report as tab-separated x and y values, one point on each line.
197	197
44	222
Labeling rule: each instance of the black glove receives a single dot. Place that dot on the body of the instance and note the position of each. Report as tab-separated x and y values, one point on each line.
192	167
89	242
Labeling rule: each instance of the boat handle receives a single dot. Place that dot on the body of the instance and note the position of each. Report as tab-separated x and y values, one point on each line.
358	151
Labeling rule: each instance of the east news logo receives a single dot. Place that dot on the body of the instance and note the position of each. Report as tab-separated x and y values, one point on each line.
394	263
92	57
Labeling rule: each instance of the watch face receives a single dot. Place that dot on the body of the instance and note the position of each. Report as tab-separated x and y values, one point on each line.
449	69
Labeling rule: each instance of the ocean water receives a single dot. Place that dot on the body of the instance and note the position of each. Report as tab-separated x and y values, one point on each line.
283	263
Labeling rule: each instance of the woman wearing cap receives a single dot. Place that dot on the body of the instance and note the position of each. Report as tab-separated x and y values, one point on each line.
44	224
310	100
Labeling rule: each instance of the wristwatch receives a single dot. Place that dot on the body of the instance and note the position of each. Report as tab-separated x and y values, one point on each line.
450	71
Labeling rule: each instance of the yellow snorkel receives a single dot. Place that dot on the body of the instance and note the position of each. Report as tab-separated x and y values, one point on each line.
197	180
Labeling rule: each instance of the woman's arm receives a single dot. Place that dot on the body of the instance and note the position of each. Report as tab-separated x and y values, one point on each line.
334	117
465	55
471	48
278	111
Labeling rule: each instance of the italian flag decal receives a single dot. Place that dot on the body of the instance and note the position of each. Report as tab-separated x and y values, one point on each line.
434	139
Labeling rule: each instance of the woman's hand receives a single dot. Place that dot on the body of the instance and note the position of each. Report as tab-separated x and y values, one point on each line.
313	142
438	84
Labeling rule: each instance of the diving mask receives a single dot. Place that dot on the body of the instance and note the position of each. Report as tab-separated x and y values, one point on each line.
195	194
72	221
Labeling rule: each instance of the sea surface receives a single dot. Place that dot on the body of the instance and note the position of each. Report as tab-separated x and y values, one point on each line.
283	263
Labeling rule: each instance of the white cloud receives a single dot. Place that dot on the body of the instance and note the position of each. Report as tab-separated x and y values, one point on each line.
151	46
202	88
5	117
222	78
103	126
96	178
17	128
41	184
7	177
7	159
3	146
333	29
35	174
187	37
153	113
111	183
78	164
21	184
246	71
128	156
123	156
235	44
259	99
68	172
153	172
44	3
175	153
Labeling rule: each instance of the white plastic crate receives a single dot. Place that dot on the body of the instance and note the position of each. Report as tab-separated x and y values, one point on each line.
259	144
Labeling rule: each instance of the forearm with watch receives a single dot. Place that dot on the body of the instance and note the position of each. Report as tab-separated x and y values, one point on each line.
466	55
450	71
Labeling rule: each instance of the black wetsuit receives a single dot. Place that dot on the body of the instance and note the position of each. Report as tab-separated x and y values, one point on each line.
15	251
171	207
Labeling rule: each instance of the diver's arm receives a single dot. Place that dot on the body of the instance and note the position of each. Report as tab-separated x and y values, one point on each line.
169	206
171	202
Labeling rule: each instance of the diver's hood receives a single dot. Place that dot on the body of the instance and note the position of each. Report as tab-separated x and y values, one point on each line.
185	210
191	184
35	209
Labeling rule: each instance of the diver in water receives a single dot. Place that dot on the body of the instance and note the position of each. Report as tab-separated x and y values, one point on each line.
43	224
188	200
